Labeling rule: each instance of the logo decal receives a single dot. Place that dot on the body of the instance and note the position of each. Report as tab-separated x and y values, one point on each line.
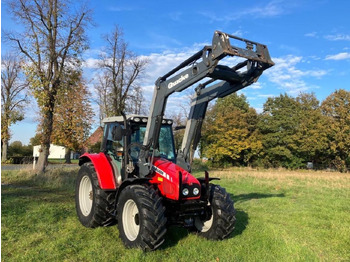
178	81
162	173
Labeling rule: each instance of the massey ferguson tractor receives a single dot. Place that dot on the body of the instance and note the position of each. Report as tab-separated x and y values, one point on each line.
139	182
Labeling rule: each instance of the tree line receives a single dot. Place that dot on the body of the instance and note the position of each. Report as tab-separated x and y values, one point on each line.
290	132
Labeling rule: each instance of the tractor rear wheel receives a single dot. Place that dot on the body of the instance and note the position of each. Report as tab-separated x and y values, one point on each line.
94	206
141	217
222	220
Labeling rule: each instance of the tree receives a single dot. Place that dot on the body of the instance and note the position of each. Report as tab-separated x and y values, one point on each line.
230	132
17	149
179	120
52	41
35	140
117	88
102	88
13	97
311	136
294	131
73	114
278	123
337	108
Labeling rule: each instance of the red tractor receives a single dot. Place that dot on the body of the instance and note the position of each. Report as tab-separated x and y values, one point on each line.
139	182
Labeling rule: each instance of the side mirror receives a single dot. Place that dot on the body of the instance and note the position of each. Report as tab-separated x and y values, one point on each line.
117	133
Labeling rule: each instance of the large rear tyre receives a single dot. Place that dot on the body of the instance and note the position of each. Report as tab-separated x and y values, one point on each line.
222	220
94	206
141	217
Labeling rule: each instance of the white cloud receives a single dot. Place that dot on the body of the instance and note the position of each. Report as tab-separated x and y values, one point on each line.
340	56
266	95
91	63
311	34
338	37
287	75
256	85
161	63
270	9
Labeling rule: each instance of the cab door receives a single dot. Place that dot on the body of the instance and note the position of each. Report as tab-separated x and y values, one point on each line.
114	150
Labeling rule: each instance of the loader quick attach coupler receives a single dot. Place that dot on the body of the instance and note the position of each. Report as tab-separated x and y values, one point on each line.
253	51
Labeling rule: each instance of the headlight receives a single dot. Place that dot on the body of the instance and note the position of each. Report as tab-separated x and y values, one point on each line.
195	191
185	191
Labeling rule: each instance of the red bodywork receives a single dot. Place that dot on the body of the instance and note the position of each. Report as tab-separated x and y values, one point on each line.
103	169
166	176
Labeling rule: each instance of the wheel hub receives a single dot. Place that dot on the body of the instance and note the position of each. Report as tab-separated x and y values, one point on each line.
90	195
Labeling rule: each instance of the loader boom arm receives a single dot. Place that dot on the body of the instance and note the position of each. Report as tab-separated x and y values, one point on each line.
198	110
203	64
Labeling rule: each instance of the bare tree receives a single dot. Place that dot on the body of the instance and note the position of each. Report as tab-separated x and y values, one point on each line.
122	69
53	40
13	97
102	88
135	101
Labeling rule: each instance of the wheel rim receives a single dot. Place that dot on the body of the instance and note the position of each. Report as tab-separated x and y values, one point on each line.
85	195
131	220
203	226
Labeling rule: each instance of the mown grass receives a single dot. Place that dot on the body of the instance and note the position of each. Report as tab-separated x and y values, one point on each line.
62	161
281	216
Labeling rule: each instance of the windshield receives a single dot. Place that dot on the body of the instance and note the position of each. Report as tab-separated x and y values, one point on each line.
166	144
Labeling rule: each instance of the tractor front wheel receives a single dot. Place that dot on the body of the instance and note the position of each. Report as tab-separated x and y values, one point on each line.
222	220
141	217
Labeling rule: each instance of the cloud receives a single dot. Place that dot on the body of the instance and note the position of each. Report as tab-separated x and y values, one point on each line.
287	75
334	37
161	63
271	9
311	34
266	95
175	16
92	63
256	85
338	37
340	56
120	8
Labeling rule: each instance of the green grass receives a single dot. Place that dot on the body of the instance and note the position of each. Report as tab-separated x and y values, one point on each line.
62	161
281	216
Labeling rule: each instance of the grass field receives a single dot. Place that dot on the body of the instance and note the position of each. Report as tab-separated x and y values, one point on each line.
281	216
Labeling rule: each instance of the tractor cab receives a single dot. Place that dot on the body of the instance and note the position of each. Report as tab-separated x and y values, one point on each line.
125	136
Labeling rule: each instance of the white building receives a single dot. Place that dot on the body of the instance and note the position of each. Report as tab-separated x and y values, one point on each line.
56	152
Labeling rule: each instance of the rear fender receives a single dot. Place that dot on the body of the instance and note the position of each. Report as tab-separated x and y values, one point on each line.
103	169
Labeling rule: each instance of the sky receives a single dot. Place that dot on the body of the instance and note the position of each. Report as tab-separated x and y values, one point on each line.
309	41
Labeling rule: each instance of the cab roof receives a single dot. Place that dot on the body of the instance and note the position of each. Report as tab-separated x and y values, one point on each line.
132	117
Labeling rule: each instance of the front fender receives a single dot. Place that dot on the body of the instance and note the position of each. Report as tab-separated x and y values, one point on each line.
103	169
